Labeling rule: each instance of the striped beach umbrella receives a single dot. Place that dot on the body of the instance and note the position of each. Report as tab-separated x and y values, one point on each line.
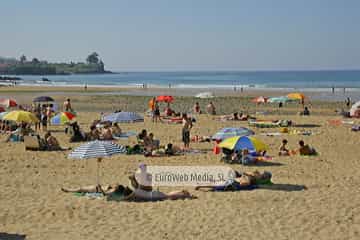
229	132
239	143
123	117
97	149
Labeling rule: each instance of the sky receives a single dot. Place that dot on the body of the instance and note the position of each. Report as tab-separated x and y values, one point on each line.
174	35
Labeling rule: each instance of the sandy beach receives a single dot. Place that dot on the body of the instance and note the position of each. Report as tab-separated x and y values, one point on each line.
31	202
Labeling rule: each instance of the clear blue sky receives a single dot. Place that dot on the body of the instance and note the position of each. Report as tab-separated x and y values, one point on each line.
186	34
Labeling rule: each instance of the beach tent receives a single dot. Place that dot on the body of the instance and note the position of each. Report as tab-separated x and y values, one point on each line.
123	117
260	99
8	102
232	132
21	116
62	118
239	143
205	95
43	99
281	99
97	149
164	98
355	110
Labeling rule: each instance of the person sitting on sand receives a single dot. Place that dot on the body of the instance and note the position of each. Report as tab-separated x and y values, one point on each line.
306	150
168	111
115	130
51	142
306	112
247	158
196	108
106	133
283	151
94	134
153	143
211	109
240	182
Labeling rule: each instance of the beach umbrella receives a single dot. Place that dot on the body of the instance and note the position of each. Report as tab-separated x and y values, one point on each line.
232	132
205	95
62	118
238	143
21	116
123	117
281	99
165	98
8	102
260	99
296	96
97	149
43	99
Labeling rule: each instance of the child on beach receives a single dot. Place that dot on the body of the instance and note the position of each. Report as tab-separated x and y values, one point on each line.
283	151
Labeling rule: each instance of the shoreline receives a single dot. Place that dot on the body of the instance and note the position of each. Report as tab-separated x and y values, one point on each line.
92	90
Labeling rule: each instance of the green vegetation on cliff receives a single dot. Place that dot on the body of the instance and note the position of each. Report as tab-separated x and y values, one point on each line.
11	66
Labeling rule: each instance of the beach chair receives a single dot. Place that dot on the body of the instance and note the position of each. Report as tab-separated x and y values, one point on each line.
31	143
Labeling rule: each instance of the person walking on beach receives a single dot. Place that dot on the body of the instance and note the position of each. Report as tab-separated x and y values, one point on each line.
186	127
211	109
67	105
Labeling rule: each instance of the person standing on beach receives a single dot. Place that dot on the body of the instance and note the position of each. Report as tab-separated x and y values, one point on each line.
67	106
348	102
211	109
186	127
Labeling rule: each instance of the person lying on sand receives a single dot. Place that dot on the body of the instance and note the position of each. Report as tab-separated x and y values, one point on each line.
145	193
106	189
306	150
233	117
239	182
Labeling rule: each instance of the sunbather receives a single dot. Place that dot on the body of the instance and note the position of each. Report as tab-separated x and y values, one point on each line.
116	130
241	181
196	108
94	134
306	150
106	133
51	142
283	151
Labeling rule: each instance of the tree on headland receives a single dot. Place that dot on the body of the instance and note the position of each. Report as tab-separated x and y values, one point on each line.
35	61
93	58
23	58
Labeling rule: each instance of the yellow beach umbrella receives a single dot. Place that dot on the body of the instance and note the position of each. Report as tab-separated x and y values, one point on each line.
239	143
21	116
297	96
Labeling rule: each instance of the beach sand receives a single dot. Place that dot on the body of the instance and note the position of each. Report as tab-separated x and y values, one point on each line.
31	202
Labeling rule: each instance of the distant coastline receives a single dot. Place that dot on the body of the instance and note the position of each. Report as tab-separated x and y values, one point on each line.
12	66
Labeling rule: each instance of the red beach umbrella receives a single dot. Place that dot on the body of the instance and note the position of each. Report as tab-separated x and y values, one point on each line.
7	102
164	98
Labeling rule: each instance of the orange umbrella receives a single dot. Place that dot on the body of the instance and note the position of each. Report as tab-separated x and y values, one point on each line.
260	99
296	96
164	98
7	102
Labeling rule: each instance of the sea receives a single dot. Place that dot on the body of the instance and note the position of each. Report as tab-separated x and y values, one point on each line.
311	81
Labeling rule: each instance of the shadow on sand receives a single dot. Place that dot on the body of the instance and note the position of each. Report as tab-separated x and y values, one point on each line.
8	236
284	187
306	125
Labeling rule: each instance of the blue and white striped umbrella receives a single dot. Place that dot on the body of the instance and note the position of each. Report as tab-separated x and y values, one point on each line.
97	149
123	117
232	132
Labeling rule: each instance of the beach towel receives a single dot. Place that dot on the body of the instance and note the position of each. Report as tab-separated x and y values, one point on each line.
124	135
